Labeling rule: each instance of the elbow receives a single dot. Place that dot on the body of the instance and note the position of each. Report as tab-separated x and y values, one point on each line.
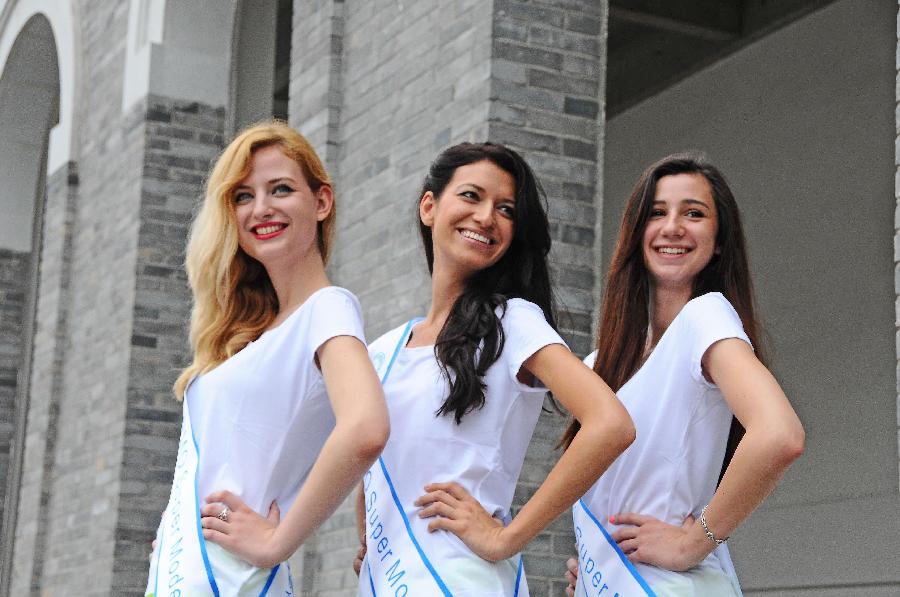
369	436
784	444
626	432
792	444
616	430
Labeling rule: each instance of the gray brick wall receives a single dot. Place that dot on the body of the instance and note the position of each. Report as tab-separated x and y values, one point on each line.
181	140
83	489
14	266
393	115
528	74
547	83
316	71
45	380
897	236
380	87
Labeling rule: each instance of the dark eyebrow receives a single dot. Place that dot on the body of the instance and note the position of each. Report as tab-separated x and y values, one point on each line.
471	184
688	201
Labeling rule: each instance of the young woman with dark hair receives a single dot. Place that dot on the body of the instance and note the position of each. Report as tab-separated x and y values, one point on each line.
679	341
465	385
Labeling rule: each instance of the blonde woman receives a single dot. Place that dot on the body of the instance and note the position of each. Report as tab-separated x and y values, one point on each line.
282	408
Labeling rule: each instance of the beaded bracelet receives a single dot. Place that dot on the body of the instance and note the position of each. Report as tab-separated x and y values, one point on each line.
706	530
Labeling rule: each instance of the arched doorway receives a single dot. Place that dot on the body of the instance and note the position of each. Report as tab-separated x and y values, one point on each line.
30	95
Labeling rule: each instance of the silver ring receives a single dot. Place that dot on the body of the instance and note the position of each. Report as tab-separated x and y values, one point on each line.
223	515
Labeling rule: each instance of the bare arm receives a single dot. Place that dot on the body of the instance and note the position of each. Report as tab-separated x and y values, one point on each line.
774	439
360	529
606	430
357	439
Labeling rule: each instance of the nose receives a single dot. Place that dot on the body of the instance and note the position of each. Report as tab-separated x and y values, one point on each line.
484	214
262	206
672	226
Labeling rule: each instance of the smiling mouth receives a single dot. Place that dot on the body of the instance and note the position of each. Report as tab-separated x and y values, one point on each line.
477	237
672	250
264	231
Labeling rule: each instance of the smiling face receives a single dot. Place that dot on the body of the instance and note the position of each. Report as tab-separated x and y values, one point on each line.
679	239
472	222
276	211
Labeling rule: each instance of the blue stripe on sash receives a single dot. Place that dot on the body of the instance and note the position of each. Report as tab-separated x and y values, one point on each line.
159	546
201	540
637	576
371	583
409	531
400	344
387	477
269	581
518	577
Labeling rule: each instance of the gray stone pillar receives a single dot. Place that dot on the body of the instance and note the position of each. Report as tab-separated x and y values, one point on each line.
380	88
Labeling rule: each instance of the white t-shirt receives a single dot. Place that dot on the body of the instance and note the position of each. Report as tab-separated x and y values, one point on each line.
682	423
261	417
484	453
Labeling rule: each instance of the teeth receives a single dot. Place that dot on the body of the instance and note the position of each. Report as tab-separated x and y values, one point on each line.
672	250
476	236
268	229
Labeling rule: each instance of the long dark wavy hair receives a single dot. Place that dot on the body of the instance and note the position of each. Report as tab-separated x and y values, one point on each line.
471	339
625	310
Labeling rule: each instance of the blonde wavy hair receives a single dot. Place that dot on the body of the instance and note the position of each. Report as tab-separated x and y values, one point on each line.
234	300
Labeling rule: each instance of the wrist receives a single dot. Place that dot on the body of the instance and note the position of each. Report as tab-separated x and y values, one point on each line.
511	542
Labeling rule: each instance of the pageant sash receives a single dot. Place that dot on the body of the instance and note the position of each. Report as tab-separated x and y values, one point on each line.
183	563
602	567
395	564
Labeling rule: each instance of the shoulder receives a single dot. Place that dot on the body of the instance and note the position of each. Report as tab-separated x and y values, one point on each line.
521	308
710	308
390	337
334	295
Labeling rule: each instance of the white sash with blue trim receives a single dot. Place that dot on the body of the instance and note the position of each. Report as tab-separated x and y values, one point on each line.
395	563
603	569
183	563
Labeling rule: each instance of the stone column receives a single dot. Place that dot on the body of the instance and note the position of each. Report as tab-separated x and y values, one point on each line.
380	88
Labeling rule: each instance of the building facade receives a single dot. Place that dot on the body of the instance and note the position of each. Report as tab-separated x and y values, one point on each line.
112	112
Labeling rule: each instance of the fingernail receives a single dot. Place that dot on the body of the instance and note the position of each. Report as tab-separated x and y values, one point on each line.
612	519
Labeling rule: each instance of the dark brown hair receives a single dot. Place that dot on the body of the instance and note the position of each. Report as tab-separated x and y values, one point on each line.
472	337
625	310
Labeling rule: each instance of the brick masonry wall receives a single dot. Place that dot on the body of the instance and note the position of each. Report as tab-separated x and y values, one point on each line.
547	83
46	370
529	74
181	140
316	69
13	277
897	231
83	487
380	87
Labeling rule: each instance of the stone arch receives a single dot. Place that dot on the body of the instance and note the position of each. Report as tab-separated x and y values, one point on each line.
38	67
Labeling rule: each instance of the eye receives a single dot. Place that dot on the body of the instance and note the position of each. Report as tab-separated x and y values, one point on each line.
282	189
695	213
657	212
507	209
242	197
470	195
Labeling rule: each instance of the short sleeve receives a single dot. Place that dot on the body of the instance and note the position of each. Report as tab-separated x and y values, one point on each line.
590	359
334	312
526	331
710	318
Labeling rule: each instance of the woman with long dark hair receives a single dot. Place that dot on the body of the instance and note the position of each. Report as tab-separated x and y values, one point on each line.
679	341
465	385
